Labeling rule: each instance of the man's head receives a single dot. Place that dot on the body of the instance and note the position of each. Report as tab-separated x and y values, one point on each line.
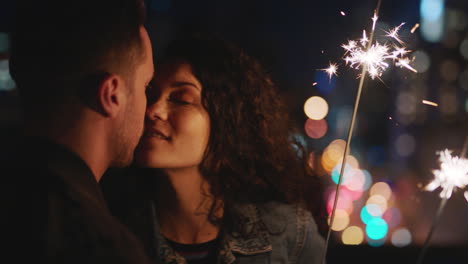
71	56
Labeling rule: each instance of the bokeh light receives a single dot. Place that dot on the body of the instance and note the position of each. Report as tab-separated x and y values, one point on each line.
448	103
406	103
375	242
432	19
449	70
374	210
392	216
6	82
376	228
345	202
348	174
352	235
316	108
405	145
381	188
316	128
4	42
341	220
456	19
365	215
464	48
401	237
378	200
422	61
357	181
463	79
333	154
368	181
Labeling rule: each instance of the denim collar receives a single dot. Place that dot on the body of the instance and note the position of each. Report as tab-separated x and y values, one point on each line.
249	237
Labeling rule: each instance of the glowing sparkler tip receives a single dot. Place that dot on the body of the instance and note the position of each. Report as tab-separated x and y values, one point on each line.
429	103
414	28
314	84
342	13
374	20
453	173
331	70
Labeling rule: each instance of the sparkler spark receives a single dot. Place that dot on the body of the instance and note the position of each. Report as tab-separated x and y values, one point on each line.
342	13
429	103
314	84
374	20
453	173
414	28
331	70
394	33
360	54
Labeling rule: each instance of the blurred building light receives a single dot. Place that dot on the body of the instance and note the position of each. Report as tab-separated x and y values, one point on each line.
466	105
6	82
341	220
448	103
376	228
456	19
392	216
406	103
316	128
4	42
405	145
352	235
464	48
449	70
463	79
432	19
401	237
422	61
316	108
381	188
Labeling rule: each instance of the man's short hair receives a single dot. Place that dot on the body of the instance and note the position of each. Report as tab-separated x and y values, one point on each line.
59	46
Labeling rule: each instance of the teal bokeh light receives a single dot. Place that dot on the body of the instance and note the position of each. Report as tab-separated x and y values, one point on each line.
376	228
366	216
348	172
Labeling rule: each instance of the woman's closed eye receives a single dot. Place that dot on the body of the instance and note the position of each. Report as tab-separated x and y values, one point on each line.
182	98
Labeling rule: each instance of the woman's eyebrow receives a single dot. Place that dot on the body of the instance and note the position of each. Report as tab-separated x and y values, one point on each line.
178	84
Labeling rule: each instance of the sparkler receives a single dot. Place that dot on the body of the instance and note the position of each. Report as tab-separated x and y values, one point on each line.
414	28
331	70
372	59
453	174
429	103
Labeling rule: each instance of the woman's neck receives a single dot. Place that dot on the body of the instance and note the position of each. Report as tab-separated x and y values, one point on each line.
183	207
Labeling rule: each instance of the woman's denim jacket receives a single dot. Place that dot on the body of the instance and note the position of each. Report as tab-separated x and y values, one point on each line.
270	233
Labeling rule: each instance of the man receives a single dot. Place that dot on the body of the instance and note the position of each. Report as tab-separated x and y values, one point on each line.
81	68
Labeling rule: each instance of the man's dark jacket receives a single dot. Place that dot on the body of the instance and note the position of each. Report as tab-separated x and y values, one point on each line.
53	210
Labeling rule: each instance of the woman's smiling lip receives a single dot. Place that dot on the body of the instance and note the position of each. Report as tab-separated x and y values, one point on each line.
157	134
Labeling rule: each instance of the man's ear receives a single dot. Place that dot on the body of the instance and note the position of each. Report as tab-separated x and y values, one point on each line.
110	95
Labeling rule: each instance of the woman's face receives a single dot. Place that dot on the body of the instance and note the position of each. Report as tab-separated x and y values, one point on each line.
177	126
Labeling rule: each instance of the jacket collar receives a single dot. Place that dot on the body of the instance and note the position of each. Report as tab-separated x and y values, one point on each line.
249	236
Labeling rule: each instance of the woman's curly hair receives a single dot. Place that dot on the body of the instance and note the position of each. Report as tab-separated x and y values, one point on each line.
251	154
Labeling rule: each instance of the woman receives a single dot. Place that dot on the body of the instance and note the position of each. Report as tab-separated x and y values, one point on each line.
218	178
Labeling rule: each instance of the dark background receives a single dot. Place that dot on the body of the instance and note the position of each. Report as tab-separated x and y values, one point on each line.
293	39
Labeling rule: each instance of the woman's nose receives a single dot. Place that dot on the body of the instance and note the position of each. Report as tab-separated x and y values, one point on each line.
157	110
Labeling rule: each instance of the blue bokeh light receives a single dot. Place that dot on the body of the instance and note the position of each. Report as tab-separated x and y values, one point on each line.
432	10
376	228
324	84
432	19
